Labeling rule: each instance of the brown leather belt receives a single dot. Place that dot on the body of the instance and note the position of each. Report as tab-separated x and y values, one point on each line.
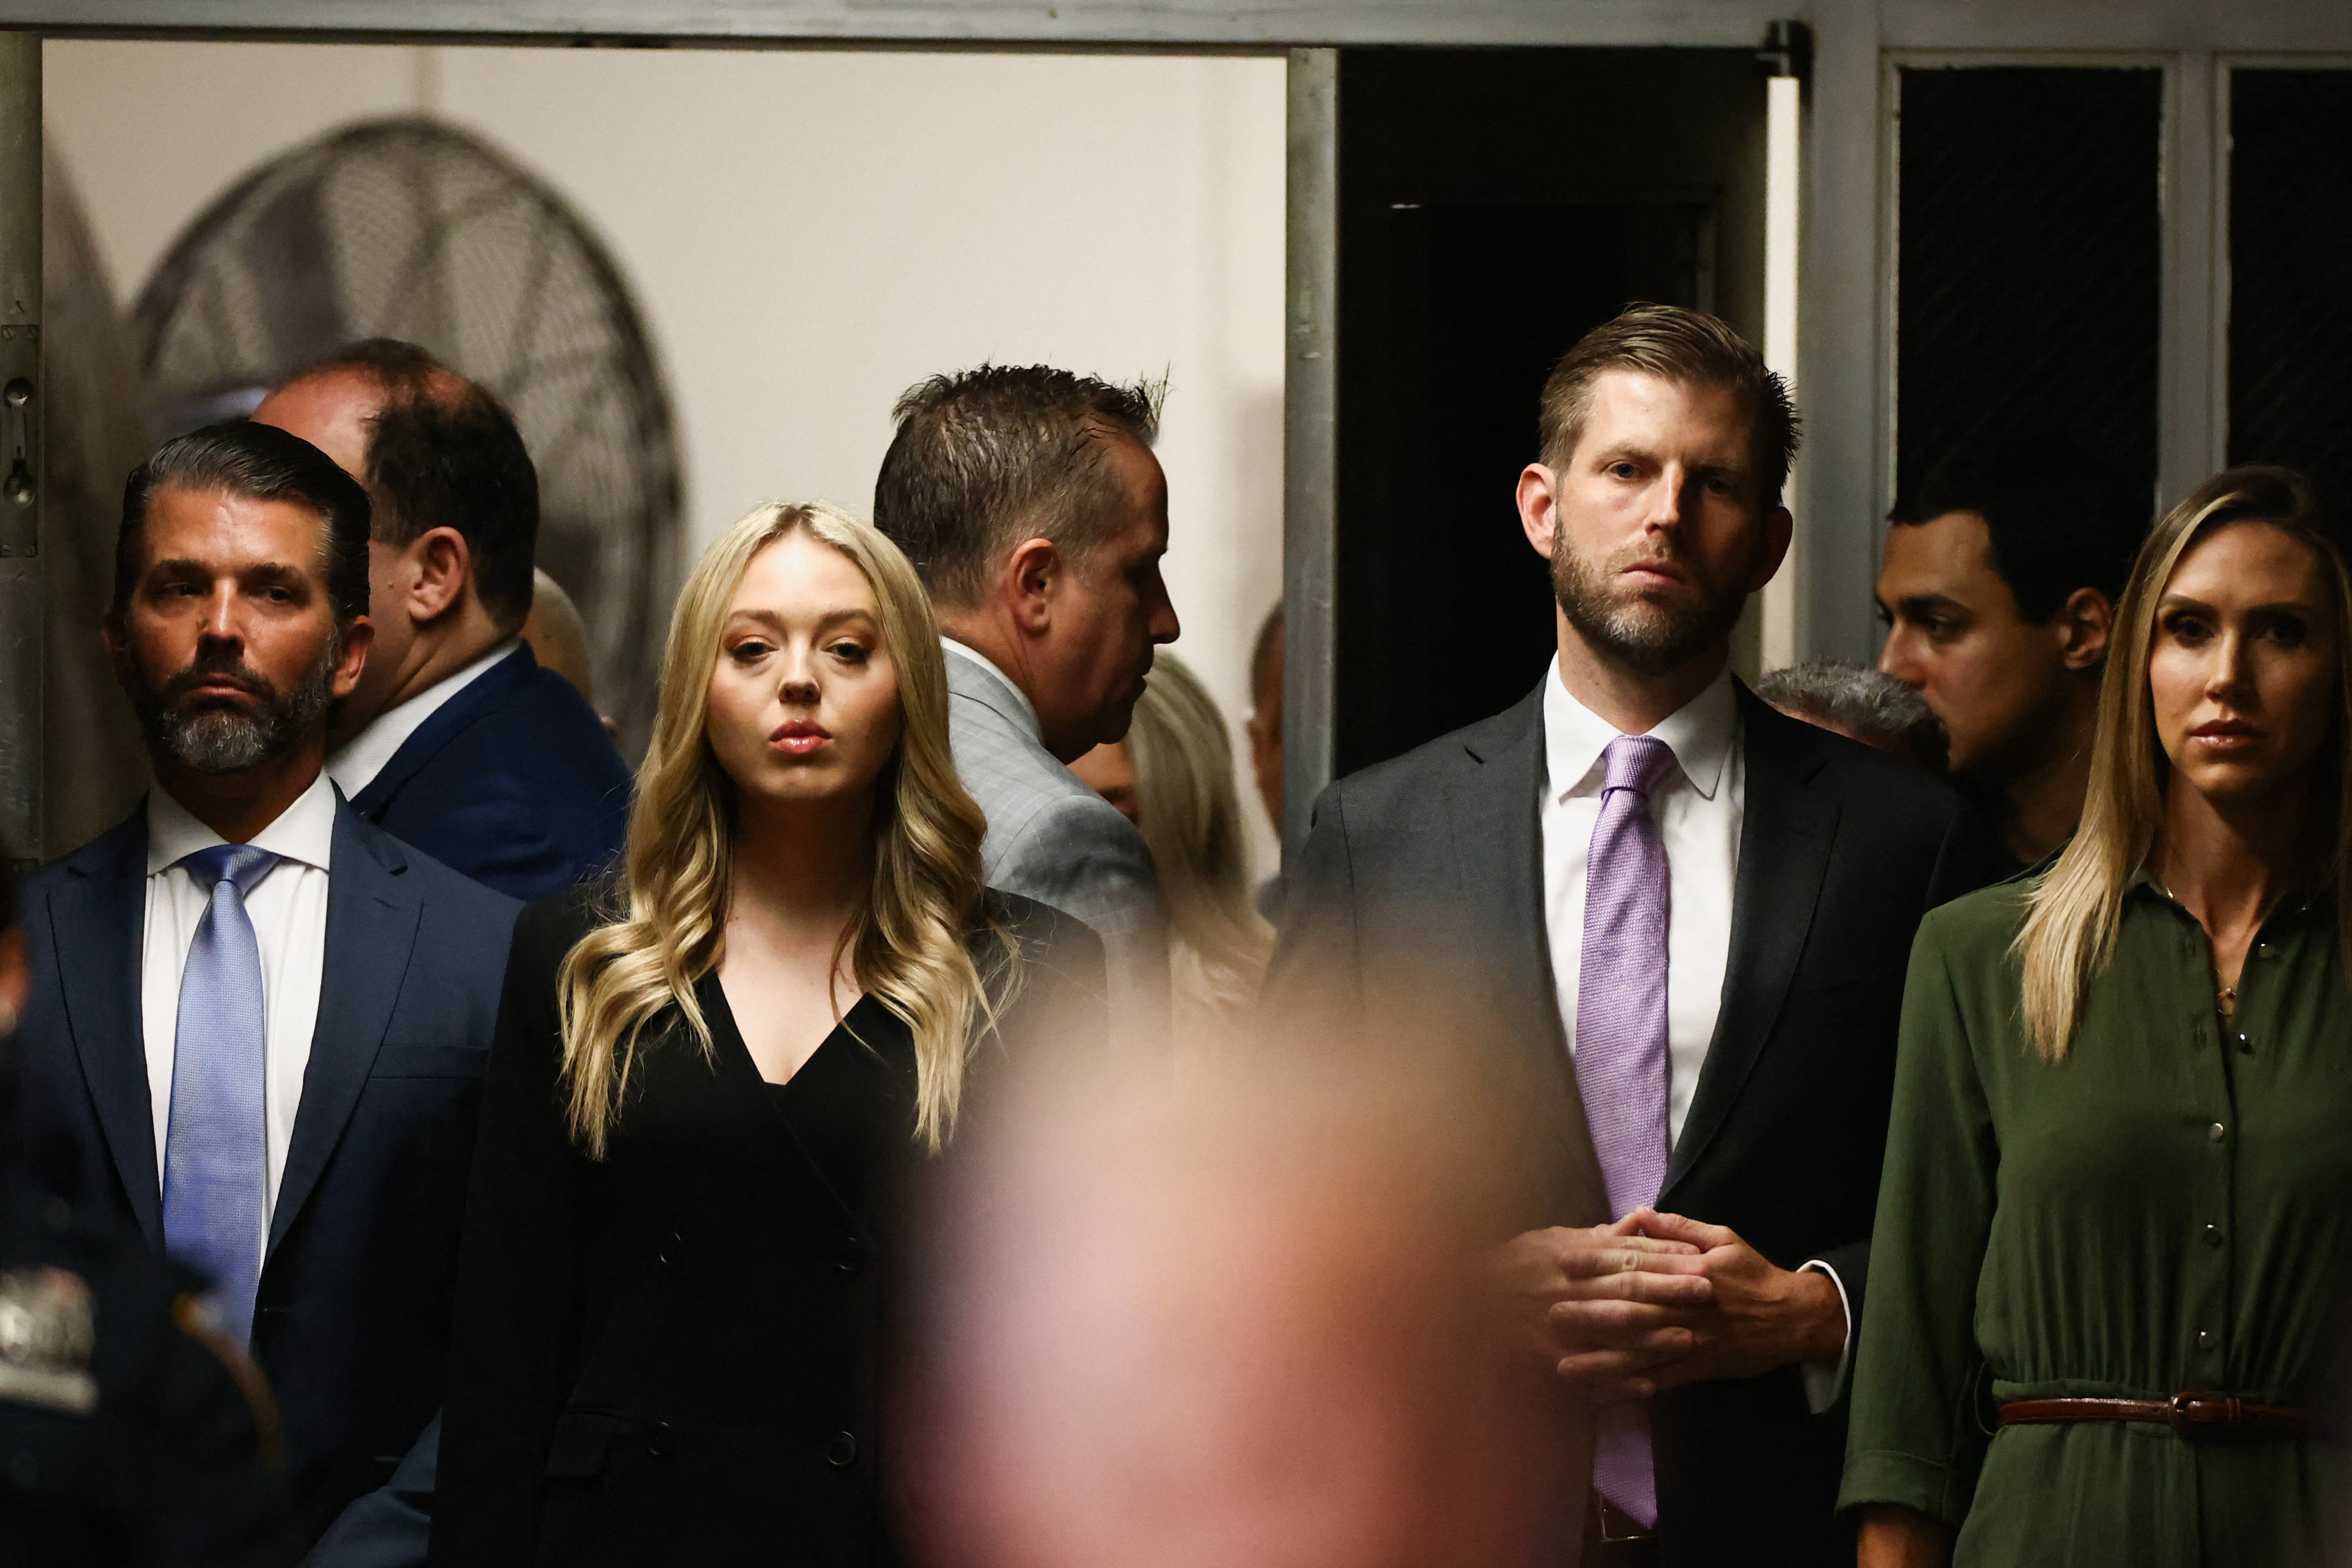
2189	1414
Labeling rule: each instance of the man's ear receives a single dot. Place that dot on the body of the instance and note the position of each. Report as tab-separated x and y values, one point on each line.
1772	550
444	566
1539	499
1032	581
2085	623
111	633
359	636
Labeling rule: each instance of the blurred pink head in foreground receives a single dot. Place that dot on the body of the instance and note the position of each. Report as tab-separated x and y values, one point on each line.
1234	1320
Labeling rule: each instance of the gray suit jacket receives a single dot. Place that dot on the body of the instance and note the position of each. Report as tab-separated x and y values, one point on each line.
1051	839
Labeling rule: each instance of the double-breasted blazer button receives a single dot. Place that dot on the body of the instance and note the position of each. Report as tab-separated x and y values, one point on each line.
849	1254
841	1450
671	1247
661	1440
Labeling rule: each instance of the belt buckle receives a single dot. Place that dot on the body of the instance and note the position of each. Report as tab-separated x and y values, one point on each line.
1609	1519
2189	1414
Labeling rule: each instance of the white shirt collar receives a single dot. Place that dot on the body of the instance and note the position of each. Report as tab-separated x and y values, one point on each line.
1027	717
304	832
358	761
1700	734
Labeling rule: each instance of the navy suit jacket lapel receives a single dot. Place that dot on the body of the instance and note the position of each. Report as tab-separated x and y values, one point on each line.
371	918
1785	836
97	920
486	691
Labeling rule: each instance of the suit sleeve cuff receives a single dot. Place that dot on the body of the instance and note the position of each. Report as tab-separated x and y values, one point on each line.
1825	1380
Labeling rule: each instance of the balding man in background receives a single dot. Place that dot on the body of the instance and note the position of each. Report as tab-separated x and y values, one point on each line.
457	740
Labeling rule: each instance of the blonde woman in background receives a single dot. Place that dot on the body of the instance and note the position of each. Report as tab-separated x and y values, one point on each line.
2115	1229
1173	776
709	1076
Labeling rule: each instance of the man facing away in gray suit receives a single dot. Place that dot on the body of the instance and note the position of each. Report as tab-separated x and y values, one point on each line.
1030	502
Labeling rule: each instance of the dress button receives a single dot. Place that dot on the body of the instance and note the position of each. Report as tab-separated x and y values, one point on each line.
2213	1235
2204	1339
2217	1132
672	1247
661	1440
841	1450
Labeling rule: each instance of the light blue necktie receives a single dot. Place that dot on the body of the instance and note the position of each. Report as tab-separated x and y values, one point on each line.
216	1155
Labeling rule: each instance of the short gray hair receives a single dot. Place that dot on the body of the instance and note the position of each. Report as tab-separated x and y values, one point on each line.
1855	700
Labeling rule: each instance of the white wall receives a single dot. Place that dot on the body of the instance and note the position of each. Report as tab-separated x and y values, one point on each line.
810	233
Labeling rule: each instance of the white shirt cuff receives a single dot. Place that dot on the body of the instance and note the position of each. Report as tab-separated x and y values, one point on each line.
1825	1380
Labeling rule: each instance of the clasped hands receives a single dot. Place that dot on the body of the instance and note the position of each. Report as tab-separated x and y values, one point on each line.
1656	1300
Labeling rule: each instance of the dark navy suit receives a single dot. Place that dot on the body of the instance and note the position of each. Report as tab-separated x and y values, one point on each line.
351	1321
513	781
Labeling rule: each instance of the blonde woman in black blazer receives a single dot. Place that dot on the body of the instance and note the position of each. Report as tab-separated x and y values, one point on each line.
681	1238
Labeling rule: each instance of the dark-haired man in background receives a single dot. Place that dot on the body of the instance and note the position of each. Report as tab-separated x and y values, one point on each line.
1030	502
258	1022
455	739
1998	592
1671	926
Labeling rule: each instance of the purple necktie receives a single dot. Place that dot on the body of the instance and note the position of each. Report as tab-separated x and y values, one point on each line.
1620	1047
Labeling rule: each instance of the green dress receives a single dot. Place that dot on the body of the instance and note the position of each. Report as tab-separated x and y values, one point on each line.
2168	1209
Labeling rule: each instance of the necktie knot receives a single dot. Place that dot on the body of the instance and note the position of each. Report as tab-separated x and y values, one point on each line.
242	866
1638	762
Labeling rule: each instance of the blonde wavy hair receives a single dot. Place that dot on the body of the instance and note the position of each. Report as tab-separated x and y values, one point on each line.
910	943
1190	818
2075	910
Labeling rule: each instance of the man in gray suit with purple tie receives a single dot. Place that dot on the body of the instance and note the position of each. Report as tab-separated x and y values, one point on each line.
257	1022
1669	925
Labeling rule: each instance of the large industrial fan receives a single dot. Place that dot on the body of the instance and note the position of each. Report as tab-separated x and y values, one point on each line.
409	228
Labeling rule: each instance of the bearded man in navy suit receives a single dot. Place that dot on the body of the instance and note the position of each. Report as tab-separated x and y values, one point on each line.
258	1022
455	739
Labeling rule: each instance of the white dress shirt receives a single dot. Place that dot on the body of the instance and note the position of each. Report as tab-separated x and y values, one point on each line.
1700	811
358	761
288	910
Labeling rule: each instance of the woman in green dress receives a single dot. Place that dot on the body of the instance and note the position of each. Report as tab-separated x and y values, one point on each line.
2120	1171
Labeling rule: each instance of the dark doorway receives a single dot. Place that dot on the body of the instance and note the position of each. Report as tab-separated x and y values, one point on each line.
2291	271
1495	206
2028	251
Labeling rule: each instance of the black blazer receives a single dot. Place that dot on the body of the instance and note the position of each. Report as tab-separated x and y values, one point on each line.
671	1355
351	1321
1420	895
512	782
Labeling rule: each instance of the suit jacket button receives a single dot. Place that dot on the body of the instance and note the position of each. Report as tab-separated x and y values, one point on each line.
848	1254
661	1440
841	1450
672	1246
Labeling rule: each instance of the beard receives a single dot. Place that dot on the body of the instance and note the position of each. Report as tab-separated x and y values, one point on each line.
213	736
1641	634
